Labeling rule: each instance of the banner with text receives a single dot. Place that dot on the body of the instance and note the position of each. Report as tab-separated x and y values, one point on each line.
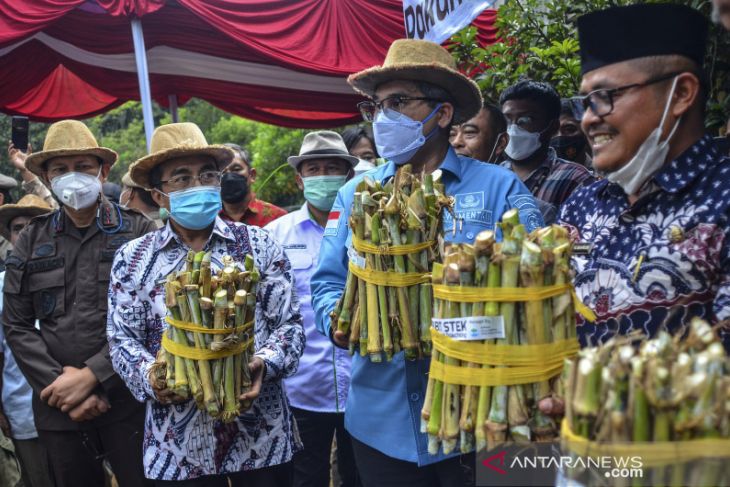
437	20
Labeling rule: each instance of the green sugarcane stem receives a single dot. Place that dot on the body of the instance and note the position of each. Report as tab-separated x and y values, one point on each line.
374	347
434	421
641	430
410	341
205	276
219	316
195	274
355	329
471	393
385	296
345	316
358	219
182	302
230	398
562	305
413	291
206	312
426	313
209	396
189	262
451	408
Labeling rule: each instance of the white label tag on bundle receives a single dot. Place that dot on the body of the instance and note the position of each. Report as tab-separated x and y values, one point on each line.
356	258
471	328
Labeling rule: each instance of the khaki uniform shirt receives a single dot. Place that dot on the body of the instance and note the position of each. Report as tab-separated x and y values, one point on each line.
60	275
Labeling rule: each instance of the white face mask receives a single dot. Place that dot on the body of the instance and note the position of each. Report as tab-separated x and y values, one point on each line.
649	158
77	189
522	143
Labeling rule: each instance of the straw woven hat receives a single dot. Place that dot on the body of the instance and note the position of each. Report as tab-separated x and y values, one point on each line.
417	60
68	138
29	205
176	140
127	181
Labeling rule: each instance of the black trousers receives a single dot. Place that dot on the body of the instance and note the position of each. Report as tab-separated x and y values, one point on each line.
76	457
33	459
379	470
276	476
311	466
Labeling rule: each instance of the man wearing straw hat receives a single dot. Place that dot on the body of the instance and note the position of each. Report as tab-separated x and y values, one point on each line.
415	97
58	273
184	445
16	413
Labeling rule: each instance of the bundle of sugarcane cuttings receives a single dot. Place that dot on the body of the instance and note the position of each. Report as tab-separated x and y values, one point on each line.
210	338
663	390
387	303
486	416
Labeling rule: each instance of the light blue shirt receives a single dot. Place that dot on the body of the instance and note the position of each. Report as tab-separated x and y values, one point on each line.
323	378
16	394
385	399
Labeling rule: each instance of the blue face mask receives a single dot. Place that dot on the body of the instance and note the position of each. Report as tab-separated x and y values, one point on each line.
195	208
398	137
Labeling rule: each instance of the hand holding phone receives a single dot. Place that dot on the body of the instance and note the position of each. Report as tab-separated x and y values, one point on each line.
19	135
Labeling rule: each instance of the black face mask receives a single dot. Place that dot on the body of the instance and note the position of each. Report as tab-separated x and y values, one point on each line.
234	187
568	147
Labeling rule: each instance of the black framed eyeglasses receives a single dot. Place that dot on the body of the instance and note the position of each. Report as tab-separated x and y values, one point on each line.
601	101
183	181
369	108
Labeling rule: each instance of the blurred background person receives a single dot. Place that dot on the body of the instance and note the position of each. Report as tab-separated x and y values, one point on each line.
239	201
482	137
16	408
570	143
360	143
136	197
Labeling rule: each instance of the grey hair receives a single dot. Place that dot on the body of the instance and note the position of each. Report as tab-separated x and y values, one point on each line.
240	152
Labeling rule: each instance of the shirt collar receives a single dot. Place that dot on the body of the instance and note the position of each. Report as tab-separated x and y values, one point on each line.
451	163
302	215
679	173
167	234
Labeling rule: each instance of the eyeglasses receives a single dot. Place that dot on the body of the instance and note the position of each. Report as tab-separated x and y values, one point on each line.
368	109
206	178
601	101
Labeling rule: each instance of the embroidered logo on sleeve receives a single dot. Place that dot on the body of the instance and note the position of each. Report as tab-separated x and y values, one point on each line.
529	213
333	224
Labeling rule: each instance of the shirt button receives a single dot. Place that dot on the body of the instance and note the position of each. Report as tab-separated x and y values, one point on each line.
415	397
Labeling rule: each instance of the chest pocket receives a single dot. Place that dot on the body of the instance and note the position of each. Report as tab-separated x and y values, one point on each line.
48	291
106	258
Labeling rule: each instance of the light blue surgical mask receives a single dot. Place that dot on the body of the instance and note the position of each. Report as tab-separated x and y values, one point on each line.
195	208
321	191
398	137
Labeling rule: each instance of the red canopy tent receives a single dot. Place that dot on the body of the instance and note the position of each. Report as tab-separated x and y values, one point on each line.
276	61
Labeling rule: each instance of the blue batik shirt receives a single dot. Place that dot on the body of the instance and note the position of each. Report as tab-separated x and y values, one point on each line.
660	261
385	399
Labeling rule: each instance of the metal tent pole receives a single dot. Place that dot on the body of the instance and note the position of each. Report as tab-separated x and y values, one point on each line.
143	76
172	101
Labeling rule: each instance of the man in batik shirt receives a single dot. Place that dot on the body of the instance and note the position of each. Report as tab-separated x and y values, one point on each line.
653	238
183	445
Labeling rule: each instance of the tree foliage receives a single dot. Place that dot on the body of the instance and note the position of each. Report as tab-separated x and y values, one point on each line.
538	40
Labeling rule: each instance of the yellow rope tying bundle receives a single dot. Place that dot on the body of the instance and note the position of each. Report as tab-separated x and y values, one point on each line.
520	364
465	294
368	248
514	364
203	353
652	454
389	278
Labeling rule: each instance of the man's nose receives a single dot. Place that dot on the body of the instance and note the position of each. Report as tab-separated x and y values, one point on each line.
457	141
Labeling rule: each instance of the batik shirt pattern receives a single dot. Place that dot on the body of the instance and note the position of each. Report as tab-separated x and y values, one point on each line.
661	261
181	442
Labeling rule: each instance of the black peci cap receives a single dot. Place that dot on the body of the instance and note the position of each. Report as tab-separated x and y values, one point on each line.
623	33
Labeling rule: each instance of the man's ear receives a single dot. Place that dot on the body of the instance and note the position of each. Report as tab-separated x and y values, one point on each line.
105	169
501	145
446	114
685	93
251	176
161	200
300	183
